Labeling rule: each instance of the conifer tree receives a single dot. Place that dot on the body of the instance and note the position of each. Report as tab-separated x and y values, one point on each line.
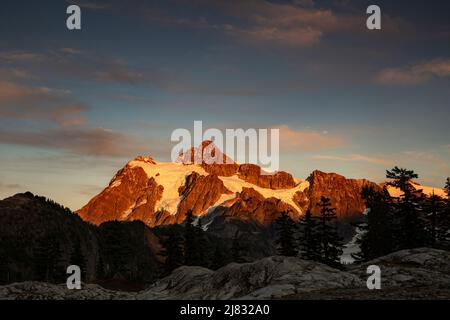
77	258
237	249
444	234
410	231
434	209
308	237
376	233
218	259
173	251
100	271
4	261
45	257
286	235
191	242
330	242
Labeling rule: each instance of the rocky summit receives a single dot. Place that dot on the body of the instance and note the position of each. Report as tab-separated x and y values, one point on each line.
161	193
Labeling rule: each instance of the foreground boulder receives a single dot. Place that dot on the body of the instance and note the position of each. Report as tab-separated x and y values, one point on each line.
32	290
421	273
268	278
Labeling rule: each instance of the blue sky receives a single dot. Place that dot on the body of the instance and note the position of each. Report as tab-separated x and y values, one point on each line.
75	106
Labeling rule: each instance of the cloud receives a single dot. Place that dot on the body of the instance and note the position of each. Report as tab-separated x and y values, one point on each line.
307	140
10	187
415	74
355	158
300	23
25	102
79	141
73	63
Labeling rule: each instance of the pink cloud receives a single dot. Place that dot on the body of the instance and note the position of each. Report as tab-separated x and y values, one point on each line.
415	74
307	140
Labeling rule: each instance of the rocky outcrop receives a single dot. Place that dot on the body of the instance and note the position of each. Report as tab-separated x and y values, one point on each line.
200	193
345	194
131	195
412	268
250	205
253	174
268	278
421	273
33	290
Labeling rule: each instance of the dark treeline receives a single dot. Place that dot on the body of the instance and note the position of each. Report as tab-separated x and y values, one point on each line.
190	245
410	220
312	237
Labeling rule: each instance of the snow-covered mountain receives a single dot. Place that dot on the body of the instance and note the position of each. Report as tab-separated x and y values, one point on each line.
161	193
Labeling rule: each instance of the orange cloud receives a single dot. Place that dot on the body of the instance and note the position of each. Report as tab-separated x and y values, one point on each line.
307	140
39	103
414	75
355	157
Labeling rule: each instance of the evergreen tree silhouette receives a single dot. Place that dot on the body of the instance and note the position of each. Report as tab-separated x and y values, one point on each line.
100	272
78	258
444	234
330	242
173	251
59	264
410	231
308	237
218	259
376	233
46	258
192	252
237	249
447	187
434	209
286	235
4	262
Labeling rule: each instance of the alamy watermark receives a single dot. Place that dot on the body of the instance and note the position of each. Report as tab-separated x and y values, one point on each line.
238	145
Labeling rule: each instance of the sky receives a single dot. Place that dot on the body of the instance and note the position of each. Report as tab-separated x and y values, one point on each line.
75	106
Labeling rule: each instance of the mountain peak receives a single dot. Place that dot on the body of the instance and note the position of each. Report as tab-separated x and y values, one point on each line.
207	153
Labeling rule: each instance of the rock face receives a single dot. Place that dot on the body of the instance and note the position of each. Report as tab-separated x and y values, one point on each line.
199	193
345	194
249	205
131	195
413	268
252	174
272	277
159	193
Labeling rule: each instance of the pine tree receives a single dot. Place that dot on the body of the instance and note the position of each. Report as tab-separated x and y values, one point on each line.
330	242
100	271
410	231
218	259
173	251
447	187
237	249
434	209
59	264
376	233
204	247
4	262
77	258
444	234
286	239
308	238
191	243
